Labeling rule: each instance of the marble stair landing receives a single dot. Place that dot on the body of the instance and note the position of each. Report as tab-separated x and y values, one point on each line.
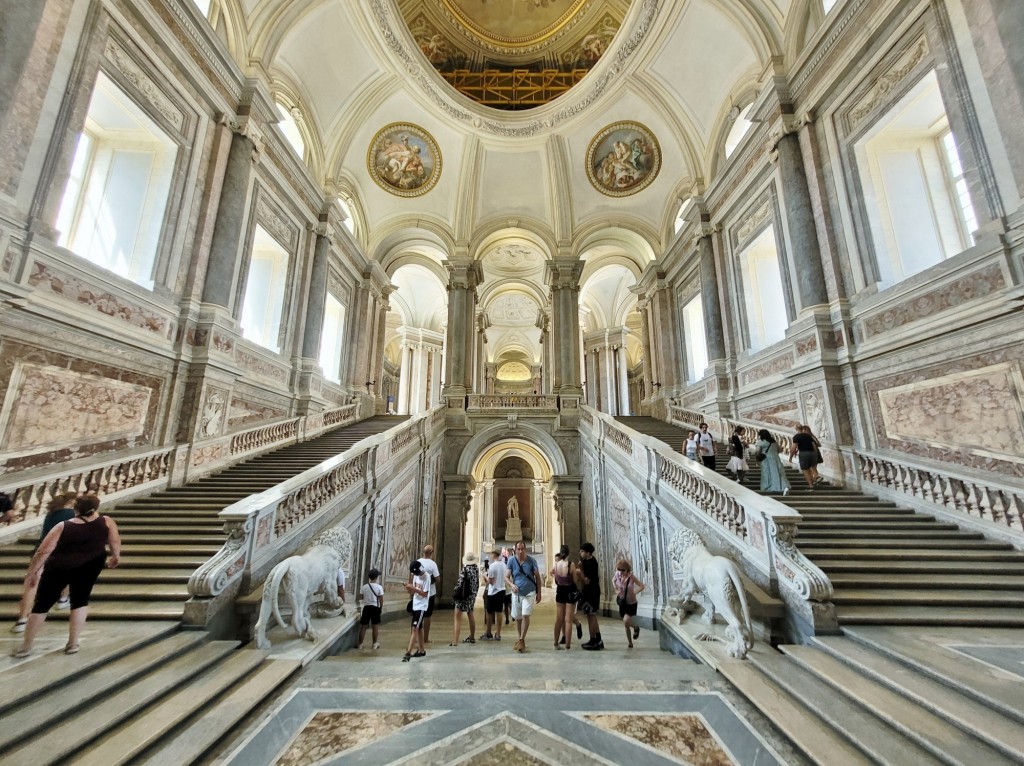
484	704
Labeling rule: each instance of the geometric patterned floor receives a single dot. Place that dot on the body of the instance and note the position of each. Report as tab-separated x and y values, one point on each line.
321	726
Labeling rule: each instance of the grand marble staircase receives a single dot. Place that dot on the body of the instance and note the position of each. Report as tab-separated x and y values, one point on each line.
142	690
928	667
891	565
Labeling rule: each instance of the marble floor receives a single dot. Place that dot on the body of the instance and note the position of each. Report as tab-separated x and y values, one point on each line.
486	704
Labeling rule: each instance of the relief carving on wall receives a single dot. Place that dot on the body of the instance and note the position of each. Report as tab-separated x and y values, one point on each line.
243	412
807	345
513	309
948	296
403	534
48	407
884	85
784	414
775	366
620	531
753	222
212	412
976	410
120	58
814	415
258	366
76	290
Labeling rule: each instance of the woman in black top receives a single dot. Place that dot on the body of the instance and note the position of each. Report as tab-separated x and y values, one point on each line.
73	553
805	447
61	508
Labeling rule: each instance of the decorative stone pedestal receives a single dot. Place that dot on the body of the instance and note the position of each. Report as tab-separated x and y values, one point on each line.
514	530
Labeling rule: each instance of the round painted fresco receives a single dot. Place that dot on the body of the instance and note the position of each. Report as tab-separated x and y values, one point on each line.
404	160
623	159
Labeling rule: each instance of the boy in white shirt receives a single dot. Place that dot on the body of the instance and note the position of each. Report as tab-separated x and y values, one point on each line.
420	590
494	601
373	602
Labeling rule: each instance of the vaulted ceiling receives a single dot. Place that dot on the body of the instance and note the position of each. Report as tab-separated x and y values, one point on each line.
675	70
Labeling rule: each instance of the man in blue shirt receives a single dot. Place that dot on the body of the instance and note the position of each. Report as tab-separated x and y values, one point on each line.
523	579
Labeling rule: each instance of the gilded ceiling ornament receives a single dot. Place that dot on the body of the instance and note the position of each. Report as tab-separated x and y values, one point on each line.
623	159
404	159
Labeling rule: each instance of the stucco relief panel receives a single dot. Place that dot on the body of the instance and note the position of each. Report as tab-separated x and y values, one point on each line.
782	414
403	533
243	412
620	530
979	410
48	407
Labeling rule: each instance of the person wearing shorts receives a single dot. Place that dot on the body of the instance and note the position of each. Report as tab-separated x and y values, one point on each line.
590	595
494	599
523	579
373	602
419	588
430	567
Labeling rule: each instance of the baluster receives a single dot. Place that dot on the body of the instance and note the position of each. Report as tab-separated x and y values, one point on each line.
959	496
985	503
999	507
914	483
972	499
1015	512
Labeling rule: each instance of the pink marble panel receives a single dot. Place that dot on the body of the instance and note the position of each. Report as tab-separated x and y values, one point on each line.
784	414
49	407
243	412
774	366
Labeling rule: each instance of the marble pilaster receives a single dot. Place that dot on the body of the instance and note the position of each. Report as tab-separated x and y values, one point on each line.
464	274
405	372
803	233
232	212
563	277
622	365
645	343
458	495
713	331
568	492
316	294
19	25
665	334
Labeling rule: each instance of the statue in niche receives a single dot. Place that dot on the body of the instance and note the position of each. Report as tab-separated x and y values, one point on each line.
513	507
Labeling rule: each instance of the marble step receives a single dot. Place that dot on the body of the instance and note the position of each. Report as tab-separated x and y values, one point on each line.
61	698
964	616
911	540
949	744
870	531
871	735
69	734
190	743
942	699
983	682
916	554
880	521
910	597
121	574
142	731
106	590
130	538
31	679
111	610
821	744
897	568
813	512
161	526
936	580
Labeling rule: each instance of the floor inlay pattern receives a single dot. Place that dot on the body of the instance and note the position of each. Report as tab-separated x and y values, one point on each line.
326	727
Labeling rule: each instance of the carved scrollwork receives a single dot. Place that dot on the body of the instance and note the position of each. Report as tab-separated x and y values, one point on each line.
795	569
227	564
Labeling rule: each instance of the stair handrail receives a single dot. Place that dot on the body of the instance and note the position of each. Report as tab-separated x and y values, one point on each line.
270	525
758	530
934	486
721	428
113	479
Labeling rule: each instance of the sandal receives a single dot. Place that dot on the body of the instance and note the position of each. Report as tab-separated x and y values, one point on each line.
71	649
469	640
20	653
407	657
452	644
420	654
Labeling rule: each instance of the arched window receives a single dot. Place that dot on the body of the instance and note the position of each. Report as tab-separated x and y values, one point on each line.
290	128
741	124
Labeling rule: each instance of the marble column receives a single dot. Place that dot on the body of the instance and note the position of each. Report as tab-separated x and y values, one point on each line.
609	402
487	512
563	277
645	342
377	370
567	493
622	363
713	330
403	380
539	519
19	25
317	294
232	212
664	330
803	233
435	377
538	383
464	274
593	387
458	494
358	340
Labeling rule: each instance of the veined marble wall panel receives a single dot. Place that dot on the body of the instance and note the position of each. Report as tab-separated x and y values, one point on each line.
968	412
763	369
782	414
255	364
403	546
619	543
51	413
244	410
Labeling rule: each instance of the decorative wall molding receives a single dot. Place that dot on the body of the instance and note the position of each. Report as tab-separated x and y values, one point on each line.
753	222
878	93
268	216
132	72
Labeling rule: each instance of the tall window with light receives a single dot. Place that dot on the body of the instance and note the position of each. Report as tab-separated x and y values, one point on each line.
331	338
694	339
263	303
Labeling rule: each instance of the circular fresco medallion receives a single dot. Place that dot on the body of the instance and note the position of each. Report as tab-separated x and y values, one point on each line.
404	160
623	159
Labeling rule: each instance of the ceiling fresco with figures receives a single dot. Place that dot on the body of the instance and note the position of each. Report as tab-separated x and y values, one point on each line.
598	172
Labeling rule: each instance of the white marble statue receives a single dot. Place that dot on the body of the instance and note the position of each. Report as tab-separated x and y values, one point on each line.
719	580
513	507
299	580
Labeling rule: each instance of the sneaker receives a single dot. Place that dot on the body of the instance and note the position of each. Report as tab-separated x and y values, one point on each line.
594	647
486	637
64	603
376	645
19	626
785	491
497	638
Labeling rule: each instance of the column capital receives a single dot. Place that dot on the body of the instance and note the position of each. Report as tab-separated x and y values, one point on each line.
563	273
246	127
463	273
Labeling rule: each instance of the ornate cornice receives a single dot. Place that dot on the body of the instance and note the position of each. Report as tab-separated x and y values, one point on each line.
419	71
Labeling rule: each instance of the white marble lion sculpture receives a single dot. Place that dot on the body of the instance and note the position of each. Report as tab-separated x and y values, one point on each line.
719	580
300	580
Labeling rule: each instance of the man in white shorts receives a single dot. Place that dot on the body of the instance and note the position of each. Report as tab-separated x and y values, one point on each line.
523	579
494	602
430	567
